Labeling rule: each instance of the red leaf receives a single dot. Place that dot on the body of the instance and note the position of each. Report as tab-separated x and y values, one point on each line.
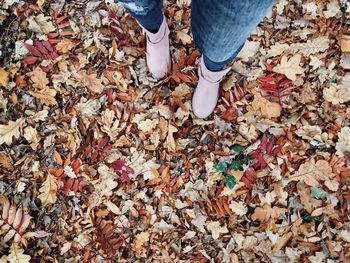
32	50
276	150
285	82
286	95
41	48
269	85
125	176
48	46
102	143
105	150
60	19
68	185
263	143
54	55
268	66
30	60
287	88
274	91
270	145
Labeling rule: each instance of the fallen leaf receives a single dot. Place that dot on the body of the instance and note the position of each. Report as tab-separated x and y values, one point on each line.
91	82
4	77
290	67
311	172
266	108
265	213
48	190
343	144
40	24
17	255
12	129
345	43
216	229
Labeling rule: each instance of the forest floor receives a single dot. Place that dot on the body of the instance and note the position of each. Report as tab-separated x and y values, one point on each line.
101	163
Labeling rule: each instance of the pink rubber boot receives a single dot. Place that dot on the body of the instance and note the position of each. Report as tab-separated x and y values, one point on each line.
158	53
206	94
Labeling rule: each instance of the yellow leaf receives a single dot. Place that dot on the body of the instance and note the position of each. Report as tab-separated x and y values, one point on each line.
290	67
4	77
13	128
266	108
48	191
17	256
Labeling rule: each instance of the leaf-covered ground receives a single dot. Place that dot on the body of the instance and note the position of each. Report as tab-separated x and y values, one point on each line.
100	163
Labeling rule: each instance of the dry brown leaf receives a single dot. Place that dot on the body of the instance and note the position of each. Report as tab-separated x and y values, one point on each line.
17	255
65	45
12	129
266	108
265	213
345	43
290	67
4	77
170	141
311	172
282	241
5	162
48	190
91	82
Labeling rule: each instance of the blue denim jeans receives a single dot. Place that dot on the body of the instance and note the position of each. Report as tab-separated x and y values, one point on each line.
219	28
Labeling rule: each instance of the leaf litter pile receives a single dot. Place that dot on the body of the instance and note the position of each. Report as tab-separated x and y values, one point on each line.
101	163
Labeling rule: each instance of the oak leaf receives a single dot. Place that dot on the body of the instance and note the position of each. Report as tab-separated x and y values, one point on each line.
265	213
265	107
40	24
12	129
91	82
343	144
289	67
311	172
215	229
4	77
17	255
48	190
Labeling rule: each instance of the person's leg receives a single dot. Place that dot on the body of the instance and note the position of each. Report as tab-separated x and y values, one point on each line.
220	28
149	14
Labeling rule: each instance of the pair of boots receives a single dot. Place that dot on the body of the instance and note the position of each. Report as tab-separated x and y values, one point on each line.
206	94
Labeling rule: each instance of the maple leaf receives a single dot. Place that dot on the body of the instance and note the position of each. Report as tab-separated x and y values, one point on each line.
91	82
12	129
17	255
289	67
48	190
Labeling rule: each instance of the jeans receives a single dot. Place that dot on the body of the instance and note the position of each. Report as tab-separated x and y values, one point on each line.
219	28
